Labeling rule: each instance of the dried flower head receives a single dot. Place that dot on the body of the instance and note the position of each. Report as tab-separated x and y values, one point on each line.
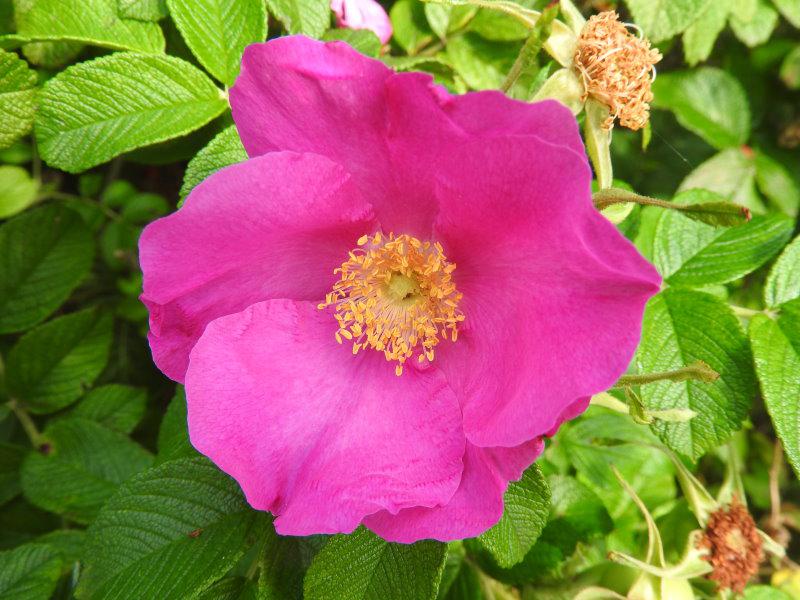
735	548
617	68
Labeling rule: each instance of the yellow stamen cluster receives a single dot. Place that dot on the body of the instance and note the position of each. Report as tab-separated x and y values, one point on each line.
396	295
617	69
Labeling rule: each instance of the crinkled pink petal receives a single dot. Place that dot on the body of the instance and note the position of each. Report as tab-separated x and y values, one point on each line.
363	14
273	226
312	434
476	505
553	294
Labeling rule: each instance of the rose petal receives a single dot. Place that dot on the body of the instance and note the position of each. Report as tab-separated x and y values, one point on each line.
315	435
273	226
553	293
363	14
476	505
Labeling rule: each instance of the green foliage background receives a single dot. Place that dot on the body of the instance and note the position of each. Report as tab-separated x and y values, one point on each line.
111	111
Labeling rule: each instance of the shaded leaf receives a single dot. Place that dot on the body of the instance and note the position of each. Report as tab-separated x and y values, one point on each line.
225	149
17	98
44	254
50	366
29	572
83	466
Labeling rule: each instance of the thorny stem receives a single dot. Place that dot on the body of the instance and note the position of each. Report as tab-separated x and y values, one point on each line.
697	370
27	423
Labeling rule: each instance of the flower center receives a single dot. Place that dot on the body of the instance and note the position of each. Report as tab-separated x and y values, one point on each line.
396	295
617	69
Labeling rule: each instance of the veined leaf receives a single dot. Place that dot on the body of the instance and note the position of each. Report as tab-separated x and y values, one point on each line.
756	31
217	31
699	37
731	174
17	98
777	362
18	190
361	566
83	466
527	505
661	19
681	327
142	10
308	17
99	109
93	22
168	533
691	253
118	407
225	149
49	366
29	572
44	254
783	281
707	101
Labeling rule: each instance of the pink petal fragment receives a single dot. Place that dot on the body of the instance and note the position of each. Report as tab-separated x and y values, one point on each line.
553	293
363	14
475	507
313	434
273	226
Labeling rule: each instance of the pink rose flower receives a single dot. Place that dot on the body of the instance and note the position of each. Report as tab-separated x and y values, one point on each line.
451	239
363	14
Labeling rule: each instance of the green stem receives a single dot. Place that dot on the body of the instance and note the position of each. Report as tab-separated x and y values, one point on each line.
697	370
531	48
56	195
36	438
748	313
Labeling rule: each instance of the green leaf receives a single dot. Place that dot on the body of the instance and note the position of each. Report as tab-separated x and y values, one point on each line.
10	460
757	30
50	366
68	544
142	10
765	592
118	407
731	174
93	22
83	465
283	562
217	31
438	17
29	572
790	9
790	69
783	281
230	588
51	55
173	437
699	37
691	253
363	40
592	445
707	101
17	98
17	190
681	327
99	109
482	64
527	505
185	515
498	26
44	254
307	17
224	150
410	27
661	19
361	566
778	365
777	183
